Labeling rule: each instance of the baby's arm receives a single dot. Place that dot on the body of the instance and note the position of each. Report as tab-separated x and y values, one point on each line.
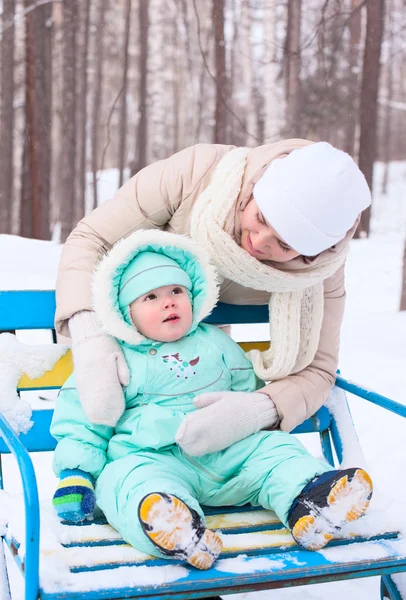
79	457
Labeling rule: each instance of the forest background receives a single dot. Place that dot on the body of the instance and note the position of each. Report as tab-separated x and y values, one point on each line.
89	85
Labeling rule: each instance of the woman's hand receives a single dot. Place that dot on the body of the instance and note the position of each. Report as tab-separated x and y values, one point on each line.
100	369
225	418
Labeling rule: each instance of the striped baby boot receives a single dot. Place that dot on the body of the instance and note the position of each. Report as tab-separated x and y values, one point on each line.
178	531
328	503
74	499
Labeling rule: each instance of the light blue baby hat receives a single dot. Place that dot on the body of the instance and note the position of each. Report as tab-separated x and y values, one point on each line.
145	260
147	271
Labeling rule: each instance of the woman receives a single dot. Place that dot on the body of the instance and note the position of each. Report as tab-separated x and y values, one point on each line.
277	220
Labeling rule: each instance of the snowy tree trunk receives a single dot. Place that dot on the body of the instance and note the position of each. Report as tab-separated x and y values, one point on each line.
82	110
236	55
293	65
160	80
186	80
220	115
37	146
7	116
387	120
141	138
205	99
123	108
67	192
369	100
273	98
97	95
57	116
248	74
353	67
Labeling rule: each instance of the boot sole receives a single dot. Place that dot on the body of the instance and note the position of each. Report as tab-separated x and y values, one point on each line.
346	502
178	531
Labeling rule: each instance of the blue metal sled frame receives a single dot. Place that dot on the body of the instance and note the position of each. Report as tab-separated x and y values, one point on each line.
314	569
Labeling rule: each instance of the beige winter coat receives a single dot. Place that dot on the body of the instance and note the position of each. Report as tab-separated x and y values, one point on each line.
162	196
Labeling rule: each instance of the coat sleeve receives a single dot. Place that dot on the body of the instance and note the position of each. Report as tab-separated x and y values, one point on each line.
147	201
81	444
299	396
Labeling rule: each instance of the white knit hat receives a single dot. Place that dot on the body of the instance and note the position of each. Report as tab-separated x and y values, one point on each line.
312	197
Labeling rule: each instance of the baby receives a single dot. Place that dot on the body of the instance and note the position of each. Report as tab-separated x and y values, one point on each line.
151	293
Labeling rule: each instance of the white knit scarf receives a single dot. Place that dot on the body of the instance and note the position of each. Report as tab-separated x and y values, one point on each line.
296	301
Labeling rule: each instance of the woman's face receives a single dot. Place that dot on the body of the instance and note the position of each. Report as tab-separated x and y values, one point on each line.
260	239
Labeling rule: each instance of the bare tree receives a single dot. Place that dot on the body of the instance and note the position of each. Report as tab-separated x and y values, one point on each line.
221	75
247	70
353	79
273	101
57	133
387	118
68	149
124	88
141	149
178	85
292	67
37	144
369	99
82	112
204	46
161	74
7	116
185	80
235	55
97	94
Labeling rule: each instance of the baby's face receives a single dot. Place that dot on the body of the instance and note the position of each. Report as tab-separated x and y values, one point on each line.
164	314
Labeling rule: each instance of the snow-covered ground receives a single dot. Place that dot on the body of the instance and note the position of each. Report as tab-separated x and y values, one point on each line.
373	352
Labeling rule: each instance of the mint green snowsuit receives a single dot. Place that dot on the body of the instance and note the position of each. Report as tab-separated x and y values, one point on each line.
140	455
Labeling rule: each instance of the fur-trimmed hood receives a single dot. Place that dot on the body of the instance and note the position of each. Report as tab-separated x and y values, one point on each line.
188	254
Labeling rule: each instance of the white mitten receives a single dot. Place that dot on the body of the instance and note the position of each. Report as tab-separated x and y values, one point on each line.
100	369
225	418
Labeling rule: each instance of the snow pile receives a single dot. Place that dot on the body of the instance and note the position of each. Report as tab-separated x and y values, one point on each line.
12	523
56	561
244	564
15	360
123	577
7	507
400	582
27	264
374	550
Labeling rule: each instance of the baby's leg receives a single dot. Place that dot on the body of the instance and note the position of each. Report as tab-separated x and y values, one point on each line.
280	467
149	499
308	496
269	468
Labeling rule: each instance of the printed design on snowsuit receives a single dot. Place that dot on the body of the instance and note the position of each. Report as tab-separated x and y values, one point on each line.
180	367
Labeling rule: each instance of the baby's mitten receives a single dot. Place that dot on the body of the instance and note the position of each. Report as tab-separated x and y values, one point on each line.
101	370
74	499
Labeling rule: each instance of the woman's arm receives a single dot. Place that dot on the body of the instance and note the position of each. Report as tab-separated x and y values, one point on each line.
299	396
147	201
